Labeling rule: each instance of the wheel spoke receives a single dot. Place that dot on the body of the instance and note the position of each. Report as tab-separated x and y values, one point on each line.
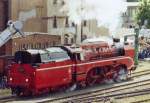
93	78
120	75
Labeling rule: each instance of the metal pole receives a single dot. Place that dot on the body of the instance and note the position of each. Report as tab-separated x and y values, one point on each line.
82	8
81	32
136	46
76	33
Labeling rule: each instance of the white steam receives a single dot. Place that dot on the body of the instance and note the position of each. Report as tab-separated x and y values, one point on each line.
107	12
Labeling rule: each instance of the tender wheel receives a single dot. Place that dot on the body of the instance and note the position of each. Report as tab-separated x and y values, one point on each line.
72	88
109	80
16	91
121	74
94	76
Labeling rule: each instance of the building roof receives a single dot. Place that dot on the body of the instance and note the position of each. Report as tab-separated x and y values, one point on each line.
17	35
35	51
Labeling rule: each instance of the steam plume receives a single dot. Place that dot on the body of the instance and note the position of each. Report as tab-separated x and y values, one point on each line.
107	12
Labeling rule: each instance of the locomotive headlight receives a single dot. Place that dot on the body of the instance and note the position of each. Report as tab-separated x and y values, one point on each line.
27	80
10	79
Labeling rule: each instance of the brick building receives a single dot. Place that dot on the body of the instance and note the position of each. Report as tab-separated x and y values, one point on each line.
3	14
31	41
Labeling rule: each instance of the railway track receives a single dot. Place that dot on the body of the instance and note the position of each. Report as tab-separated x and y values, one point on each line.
140	73
7	99
107	90
115	96
119	87
115	93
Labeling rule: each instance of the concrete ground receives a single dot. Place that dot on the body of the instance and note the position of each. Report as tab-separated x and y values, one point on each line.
143	65
5	92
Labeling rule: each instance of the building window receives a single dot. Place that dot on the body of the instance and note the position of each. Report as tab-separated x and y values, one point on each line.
31	46
55	22
85	23
73	25
39	45
27	46
36	46
72	40
46	44
63	3
43	45
49	44
24	46
67	23
66	41
54	2
19	47
84	37
54	43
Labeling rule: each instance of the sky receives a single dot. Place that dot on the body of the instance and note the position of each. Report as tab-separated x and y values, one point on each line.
107	12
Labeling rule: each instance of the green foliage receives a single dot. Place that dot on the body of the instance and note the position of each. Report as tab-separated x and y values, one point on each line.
143	13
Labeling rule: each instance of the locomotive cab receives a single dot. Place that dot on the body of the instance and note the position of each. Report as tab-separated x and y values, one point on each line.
78	56
77	53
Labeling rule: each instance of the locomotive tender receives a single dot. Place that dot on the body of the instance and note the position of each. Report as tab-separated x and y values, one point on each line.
38	71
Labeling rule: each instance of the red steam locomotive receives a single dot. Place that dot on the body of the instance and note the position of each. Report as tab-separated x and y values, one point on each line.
38	71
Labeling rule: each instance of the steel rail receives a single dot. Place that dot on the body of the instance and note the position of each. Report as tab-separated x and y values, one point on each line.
94	91
119	95
92	96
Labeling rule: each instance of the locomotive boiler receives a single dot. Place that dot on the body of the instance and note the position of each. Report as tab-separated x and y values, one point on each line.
39	71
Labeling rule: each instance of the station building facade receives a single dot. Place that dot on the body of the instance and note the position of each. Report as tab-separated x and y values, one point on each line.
31	41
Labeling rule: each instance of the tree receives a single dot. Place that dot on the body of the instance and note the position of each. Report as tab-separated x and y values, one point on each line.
143	15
